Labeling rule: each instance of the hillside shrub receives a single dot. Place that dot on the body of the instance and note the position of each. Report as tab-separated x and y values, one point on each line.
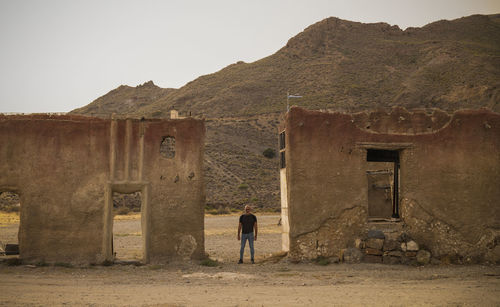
322	261
269	153
243	186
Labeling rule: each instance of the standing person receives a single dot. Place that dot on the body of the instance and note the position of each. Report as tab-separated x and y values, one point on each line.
247	226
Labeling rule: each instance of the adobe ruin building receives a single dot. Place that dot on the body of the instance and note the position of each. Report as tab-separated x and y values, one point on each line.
376	182
372	182
66	168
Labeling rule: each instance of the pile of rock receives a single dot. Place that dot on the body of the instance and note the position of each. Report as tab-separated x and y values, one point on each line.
376	247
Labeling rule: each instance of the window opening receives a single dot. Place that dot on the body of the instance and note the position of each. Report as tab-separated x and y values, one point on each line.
383	183
167	147
10	207
282	149
127	241
282	140
282	159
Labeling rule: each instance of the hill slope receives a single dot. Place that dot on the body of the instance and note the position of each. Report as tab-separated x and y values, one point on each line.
352	66
335	65
124	100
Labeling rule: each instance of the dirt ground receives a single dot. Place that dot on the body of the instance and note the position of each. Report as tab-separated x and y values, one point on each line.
220	237
229	284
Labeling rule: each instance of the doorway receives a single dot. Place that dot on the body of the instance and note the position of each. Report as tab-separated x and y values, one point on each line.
126	236
127	241
383	175
10	208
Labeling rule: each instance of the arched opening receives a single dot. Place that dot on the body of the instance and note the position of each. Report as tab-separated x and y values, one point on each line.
10	208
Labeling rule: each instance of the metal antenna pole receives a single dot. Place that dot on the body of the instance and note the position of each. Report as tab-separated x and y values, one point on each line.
288	96
287	99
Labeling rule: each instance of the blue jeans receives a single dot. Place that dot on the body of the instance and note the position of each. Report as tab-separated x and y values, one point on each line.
244	238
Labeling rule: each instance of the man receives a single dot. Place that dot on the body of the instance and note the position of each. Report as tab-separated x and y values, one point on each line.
247	226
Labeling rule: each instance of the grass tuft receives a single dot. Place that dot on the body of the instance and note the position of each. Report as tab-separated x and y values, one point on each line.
322	261
209	262
155	267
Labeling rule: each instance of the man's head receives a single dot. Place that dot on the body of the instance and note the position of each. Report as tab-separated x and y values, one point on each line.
248	209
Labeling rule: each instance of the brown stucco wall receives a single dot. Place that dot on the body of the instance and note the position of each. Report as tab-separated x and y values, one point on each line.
65	169
450	169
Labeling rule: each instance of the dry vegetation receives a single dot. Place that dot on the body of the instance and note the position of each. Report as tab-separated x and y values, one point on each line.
9	202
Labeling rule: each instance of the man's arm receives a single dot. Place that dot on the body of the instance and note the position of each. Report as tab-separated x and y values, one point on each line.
239	231
256	229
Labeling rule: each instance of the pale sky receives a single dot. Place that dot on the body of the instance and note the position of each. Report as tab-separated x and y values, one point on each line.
58	55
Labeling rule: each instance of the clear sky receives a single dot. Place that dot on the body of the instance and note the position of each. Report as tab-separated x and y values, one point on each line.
58	55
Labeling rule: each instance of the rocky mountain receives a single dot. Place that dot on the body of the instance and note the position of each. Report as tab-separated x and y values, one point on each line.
124	100
335	65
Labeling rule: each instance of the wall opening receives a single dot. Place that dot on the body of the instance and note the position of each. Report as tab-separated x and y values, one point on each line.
127	241
282	147
167	147
10	208
383	173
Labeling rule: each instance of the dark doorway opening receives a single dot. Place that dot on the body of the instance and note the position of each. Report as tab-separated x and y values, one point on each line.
10	207
128	241
383	171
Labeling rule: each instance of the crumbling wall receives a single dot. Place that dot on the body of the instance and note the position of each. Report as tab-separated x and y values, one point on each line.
177	225
450	169
65	169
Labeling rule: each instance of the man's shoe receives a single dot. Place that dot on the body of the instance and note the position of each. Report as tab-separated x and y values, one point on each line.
253	262
240	262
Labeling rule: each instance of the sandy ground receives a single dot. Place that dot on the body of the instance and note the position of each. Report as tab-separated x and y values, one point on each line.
220	237
230	284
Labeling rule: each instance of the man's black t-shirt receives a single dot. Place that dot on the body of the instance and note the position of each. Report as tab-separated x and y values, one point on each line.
248	220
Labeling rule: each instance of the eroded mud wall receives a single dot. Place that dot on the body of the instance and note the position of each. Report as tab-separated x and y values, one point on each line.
450	171
177	190
59	168
66	167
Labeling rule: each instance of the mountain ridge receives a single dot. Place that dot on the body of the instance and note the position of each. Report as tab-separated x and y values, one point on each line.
336	65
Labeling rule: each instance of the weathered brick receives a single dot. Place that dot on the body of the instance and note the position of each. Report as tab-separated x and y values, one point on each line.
390	245
374	243
411	254
377	234
372	251
395	253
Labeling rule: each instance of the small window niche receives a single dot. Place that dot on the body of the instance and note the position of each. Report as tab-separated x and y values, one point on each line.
282	140
167	147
